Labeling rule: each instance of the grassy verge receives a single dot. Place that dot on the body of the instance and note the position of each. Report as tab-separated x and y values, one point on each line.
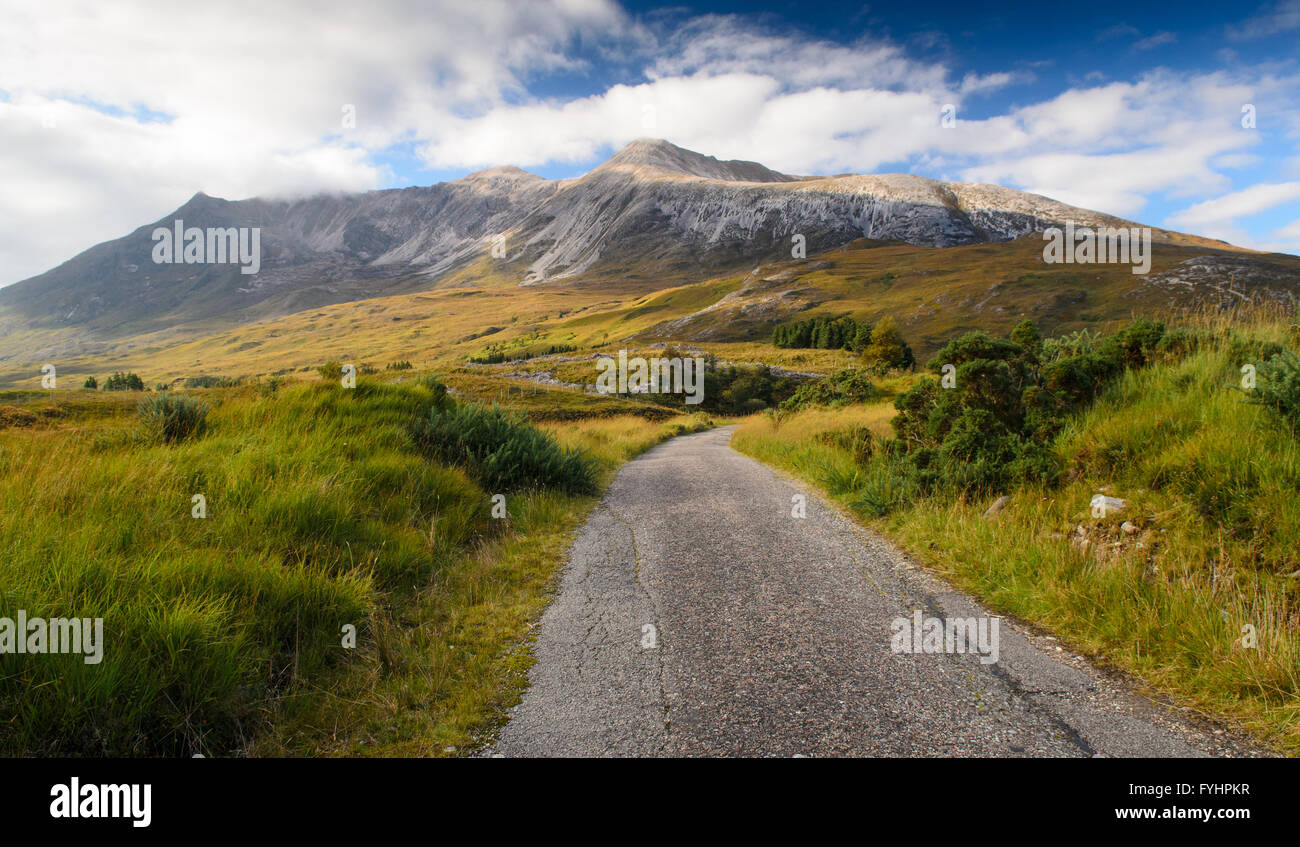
1193	588
224	618
452	657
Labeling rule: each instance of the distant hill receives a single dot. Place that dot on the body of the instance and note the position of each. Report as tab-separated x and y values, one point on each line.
653	214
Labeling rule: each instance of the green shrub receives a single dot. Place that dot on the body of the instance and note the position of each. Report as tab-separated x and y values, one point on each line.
738	389
331	371
844	387
501	450
1248	348
747	390
171	418
90	382
1278	385
1138	342
1180	342
857	440
441	400
1073	344
990	428
887	348
1026	335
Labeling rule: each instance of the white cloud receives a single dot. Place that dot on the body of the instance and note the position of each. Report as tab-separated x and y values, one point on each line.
1221	216
1226	209
252	93
976	84
1123	30
727	44
1117	183
1154	41
1290	233
1111	147
1281	17
63	194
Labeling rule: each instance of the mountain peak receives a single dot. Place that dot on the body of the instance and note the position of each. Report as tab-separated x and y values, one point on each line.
501	172
201	202
656	154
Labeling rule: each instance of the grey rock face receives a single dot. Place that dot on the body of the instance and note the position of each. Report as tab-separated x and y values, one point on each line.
653	210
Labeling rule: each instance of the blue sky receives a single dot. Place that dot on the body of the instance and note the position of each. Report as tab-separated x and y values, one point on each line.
112	116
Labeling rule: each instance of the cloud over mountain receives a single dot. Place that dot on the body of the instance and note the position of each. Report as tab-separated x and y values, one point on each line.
118	114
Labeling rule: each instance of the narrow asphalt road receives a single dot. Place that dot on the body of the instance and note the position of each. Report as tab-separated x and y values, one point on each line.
698	617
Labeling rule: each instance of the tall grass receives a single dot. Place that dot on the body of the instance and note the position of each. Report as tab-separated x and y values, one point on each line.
445	664
171	418
316	501
224	633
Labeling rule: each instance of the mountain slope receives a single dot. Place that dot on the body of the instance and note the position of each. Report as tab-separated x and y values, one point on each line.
653	213
317	250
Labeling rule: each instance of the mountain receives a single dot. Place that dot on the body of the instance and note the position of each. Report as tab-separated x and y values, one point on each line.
654	213
652	156
318	250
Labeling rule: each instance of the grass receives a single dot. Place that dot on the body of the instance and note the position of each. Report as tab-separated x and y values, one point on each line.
452	658
1212	484
224	634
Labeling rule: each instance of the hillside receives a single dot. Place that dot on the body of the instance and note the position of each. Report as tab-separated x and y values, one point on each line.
654	215
932	292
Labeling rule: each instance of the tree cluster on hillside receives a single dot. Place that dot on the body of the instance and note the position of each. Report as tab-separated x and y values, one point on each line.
496	354
124	382
882	346
824	333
